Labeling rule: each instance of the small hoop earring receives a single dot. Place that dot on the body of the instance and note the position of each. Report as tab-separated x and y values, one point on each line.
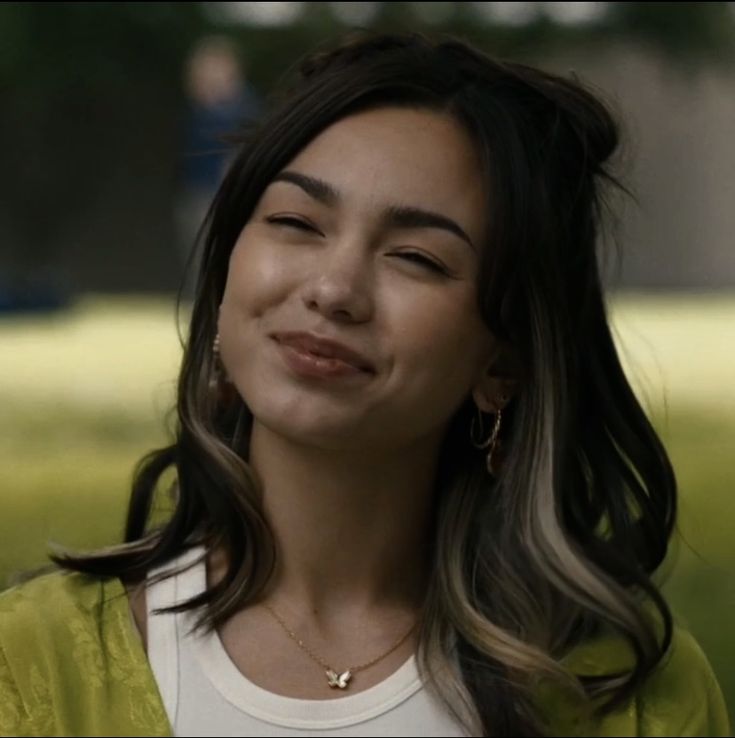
492	440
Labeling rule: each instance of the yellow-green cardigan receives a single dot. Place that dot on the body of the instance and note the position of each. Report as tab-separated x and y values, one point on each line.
72	664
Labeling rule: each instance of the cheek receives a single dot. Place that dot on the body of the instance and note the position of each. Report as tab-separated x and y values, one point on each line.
249	290
441	344
255	277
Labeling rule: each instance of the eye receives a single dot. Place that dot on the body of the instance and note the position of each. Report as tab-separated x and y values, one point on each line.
423	260
290	222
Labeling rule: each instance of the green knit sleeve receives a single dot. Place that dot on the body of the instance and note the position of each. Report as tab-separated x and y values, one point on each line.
683	697
25	713
13	716
680	697
71	664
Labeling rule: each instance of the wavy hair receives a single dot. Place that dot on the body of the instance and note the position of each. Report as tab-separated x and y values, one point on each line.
561	545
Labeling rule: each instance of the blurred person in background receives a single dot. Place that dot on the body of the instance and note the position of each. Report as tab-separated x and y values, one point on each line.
415	493
220	102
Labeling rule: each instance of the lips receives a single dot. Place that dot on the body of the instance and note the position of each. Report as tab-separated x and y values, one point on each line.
310	343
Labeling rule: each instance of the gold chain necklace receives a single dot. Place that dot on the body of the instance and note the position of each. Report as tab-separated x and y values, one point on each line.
336	679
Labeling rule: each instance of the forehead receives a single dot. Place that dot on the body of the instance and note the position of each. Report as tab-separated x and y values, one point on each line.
404	156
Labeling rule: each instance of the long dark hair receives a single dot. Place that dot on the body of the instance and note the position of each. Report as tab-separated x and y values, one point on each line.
562	543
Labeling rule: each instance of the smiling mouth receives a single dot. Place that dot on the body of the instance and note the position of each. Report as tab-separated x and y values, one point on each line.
307	364
324	348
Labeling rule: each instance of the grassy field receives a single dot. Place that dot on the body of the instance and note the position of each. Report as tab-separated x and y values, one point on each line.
84	395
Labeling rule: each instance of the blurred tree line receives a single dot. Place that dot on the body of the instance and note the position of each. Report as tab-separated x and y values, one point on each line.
92	96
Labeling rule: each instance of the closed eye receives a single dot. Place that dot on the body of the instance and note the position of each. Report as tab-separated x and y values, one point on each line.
302	225
420	259
290	222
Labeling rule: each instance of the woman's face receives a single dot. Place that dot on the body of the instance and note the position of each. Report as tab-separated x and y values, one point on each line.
369	237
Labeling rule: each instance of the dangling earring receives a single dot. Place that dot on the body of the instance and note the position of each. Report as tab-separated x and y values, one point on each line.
492	441
214	379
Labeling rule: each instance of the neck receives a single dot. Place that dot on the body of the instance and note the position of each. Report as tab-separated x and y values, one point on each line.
352	529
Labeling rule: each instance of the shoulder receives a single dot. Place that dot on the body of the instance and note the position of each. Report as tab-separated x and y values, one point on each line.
67	635
57	593
42	617
680	697
41	610
36	620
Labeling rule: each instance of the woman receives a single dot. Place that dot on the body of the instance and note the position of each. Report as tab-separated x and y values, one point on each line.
415	493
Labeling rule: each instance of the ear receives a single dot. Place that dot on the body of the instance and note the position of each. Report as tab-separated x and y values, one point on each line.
493	393
497	384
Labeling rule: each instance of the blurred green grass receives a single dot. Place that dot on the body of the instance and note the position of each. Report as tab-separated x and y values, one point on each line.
85	394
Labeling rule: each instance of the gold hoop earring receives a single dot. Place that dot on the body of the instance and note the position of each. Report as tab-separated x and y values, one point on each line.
492	440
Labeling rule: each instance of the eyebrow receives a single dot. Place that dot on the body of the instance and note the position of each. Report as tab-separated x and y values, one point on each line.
396	216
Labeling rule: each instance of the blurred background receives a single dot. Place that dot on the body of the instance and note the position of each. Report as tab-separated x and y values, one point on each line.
112	120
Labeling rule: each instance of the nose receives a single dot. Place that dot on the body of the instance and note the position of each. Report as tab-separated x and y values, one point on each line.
339	284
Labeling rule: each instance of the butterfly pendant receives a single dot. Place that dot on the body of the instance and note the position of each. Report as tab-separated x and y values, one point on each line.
338	680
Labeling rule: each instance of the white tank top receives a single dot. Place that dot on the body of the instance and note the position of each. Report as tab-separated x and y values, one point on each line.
205	694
